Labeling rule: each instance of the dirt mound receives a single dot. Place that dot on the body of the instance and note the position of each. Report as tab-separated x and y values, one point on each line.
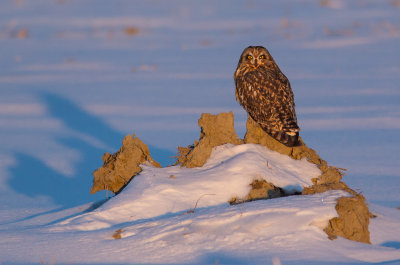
353	219
215	130
260	189
353	212
119	168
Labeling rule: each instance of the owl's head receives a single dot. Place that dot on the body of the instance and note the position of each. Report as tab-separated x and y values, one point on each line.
255	56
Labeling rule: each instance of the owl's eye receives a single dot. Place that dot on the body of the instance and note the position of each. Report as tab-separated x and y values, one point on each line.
249	57
262	57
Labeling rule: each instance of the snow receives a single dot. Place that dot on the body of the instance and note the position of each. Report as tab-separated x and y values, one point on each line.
226	175
187	219
76	83
177	215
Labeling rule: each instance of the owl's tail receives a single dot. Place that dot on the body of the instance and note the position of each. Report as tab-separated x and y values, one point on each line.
290	140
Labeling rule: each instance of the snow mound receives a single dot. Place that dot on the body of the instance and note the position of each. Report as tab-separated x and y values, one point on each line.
226	174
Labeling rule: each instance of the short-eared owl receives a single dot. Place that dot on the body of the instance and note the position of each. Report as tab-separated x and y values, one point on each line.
265	93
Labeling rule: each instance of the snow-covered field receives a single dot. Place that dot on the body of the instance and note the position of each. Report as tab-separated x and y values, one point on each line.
77	76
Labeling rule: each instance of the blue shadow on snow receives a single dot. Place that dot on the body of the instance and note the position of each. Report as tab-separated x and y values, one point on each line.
32	177
392	244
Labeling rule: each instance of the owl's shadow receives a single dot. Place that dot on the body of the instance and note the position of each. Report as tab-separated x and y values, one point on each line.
32	177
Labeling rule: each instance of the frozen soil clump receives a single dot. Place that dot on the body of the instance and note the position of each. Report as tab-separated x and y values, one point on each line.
119	168
260	189
215	130
353	219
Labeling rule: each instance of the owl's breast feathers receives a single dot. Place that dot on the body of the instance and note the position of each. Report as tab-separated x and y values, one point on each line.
268	98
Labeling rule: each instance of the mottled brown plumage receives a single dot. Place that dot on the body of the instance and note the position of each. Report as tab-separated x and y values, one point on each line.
265	93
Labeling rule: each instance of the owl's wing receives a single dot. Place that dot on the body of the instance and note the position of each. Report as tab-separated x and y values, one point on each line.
268	98
287	89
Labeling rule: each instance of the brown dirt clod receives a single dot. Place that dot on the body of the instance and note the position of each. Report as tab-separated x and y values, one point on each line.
353	220
130	31
117	234
119	168
215	130
22	34
260	189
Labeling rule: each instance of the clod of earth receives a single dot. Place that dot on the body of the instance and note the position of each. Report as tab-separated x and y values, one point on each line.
260	189
119	168
215	130
353	220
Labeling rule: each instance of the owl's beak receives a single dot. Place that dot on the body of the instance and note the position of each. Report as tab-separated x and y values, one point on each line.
256	62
